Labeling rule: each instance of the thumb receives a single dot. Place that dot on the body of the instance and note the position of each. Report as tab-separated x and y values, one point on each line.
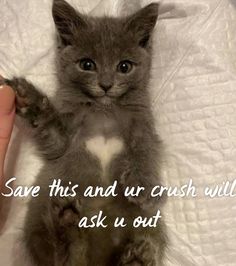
7	114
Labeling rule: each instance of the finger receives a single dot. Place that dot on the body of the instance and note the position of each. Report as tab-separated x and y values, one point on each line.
7	114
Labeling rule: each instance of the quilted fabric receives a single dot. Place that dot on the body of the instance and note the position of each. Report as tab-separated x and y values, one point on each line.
194	101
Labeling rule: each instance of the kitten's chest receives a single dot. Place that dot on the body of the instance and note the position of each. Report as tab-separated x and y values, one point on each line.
102	138
104	149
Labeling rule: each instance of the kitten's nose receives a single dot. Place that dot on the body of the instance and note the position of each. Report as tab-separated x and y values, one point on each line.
105	87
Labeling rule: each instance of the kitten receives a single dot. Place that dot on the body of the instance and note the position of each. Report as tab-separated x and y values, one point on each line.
102	131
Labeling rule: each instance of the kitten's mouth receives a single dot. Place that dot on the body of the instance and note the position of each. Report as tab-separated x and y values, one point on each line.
103	97
106	100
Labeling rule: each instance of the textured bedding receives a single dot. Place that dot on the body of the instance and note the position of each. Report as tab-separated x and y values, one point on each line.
194	101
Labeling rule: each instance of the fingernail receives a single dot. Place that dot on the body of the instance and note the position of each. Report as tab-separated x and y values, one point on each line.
2	82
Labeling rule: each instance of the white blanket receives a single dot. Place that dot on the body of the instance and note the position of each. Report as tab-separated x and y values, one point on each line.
194	102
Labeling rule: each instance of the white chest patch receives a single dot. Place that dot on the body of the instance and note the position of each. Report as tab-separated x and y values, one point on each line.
104	149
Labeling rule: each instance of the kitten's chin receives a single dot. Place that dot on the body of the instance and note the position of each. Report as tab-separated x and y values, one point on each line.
105	100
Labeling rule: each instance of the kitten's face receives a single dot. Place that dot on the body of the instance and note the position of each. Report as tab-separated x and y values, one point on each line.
104	58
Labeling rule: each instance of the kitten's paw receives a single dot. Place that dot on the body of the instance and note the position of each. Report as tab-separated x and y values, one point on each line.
144	199
140	253
30	103
65	211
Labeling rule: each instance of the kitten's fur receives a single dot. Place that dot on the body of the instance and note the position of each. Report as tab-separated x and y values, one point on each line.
86	111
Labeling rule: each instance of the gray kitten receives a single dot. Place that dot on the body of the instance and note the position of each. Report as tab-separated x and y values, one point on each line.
103	130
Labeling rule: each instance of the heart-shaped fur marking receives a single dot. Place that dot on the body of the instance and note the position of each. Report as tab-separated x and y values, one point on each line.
104	149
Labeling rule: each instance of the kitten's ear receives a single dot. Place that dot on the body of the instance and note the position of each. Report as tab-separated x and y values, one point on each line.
143	22
67	20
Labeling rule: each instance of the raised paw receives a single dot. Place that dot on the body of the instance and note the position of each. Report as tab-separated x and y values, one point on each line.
65	211
144	199
140	253
30	103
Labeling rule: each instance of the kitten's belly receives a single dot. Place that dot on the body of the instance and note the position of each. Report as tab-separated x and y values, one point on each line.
104	149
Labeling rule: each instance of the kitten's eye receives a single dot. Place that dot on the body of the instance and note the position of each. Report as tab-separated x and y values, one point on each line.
87	65
125	67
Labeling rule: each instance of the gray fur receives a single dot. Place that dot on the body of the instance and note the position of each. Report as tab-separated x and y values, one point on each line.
90	103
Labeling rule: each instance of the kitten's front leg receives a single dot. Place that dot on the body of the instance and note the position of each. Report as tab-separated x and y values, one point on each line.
32	105
143	162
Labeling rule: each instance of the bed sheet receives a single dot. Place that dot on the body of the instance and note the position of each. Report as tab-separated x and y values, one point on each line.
193	90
